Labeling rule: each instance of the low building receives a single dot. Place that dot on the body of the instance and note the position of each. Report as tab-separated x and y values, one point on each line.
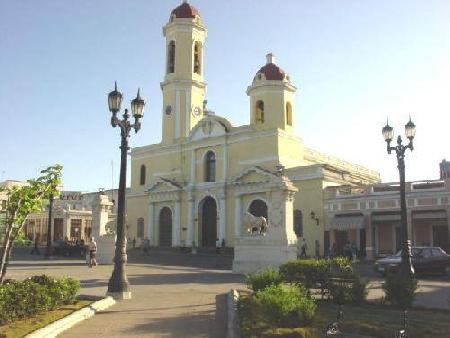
71	217
369	216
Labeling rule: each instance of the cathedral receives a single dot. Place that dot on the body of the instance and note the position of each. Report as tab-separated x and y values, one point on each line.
196	186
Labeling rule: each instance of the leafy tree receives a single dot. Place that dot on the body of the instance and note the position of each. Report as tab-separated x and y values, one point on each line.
21	202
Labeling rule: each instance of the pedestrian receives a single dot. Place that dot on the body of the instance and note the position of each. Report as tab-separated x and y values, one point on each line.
134	242
348	251
333	251
303	248
35	250
354	251
92	252
217	246
146	246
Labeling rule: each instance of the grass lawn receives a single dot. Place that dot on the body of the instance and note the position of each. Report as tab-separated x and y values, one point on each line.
25	326
378	321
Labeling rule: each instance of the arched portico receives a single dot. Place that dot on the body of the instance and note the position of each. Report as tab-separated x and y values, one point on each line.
165	227
207	212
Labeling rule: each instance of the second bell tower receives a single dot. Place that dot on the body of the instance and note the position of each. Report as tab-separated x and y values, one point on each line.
183	87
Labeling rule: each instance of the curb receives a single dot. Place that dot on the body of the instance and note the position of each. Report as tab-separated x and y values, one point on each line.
232	315
55	328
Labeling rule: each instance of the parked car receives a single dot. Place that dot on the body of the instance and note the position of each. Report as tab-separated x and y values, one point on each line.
66	248
424	259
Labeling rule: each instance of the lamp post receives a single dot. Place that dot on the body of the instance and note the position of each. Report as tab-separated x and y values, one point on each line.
118	285
406	268
49	249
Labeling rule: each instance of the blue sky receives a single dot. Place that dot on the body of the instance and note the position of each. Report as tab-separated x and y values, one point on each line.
355	63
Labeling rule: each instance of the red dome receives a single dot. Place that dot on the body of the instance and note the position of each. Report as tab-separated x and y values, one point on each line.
185	11
271	71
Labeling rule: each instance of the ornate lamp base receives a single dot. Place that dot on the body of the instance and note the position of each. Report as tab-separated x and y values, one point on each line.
120	295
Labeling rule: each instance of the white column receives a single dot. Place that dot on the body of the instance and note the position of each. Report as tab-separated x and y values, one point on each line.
358	238
225	160
151	221
188	112
193	167
238	216
394	239
177	114
377	239
222	219
190	228
176	225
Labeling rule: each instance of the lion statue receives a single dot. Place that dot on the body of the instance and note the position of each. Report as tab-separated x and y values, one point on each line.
254	224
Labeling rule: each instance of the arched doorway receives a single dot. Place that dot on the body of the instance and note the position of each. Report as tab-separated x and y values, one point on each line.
165	227
258	208
208	217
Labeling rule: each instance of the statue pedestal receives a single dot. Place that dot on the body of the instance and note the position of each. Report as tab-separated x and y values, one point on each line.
106	246
253	253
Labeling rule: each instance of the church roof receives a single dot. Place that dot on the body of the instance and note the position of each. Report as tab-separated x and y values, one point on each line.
185	11
271	71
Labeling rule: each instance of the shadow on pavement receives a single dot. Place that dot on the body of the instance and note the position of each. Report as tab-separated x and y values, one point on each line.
176	258
184	278
193	324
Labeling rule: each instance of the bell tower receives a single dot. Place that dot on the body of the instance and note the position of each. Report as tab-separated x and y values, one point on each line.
183	86
271	98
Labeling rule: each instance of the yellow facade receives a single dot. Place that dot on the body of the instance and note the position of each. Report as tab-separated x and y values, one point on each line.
173	174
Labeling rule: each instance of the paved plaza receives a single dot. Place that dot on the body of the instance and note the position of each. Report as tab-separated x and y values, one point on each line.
175	295
187	300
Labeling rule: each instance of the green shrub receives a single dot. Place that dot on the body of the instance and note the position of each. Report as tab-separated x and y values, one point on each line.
348	291
400	290
285	305
359	290
22	299
261	279
317	273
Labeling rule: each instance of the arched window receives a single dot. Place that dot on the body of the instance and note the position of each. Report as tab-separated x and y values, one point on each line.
197	57
288	114
259	111
210	167
140	228
142	175
171	57
298	223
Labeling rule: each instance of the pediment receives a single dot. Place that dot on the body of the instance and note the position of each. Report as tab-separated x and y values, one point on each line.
208	127
255	175
163	185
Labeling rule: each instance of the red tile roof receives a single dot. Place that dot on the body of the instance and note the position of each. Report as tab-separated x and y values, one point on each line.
185	11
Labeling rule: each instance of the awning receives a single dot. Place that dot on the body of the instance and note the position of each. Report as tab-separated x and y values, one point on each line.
385	217
346	223
439	214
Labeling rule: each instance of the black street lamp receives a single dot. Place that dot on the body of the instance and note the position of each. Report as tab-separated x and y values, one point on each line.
406	268
118	285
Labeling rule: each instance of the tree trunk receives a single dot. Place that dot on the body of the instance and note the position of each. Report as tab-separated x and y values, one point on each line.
7	243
